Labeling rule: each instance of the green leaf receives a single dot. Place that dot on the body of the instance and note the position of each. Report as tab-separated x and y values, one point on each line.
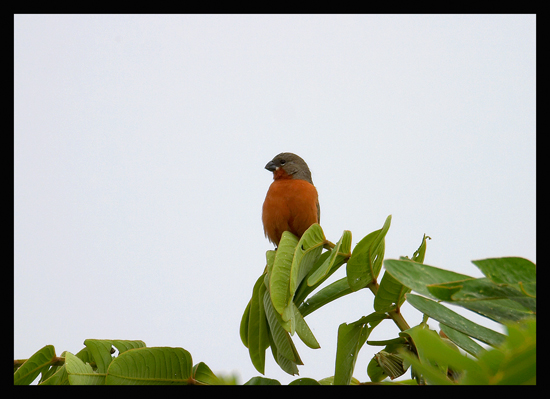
499	310
123	345
430	345
425	367
512	363
151	366
281	338
420	278
430	373
351	338
419	254
34	365
341	247
446	316
326	295
508	270
366	259
462	340
390	295
80	373
243	330
257	335
100	350
270	259
262	381
303	289
285	364
303	330
203	375
481	289
55	376
279	279
307	252
85	355
519	273
326	258
417	276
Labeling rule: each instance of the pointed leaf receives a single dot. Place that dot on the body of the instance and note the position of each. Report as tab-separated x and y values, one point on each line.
258	340
285	364
303	330
324	269
34	365
391	293
420	253
446	316
462	340
243	330
281	337
366	259
203	374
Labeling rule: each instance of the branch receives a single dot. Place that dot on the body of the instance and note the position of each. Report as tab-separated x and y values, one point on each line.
395	315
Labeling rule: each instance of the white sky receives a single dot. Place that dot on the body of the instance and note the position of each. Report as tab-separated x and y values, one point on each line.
141	141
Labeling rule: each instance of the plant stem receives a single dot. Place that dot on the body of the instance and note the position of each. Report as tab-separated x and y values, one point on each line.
398	319
395	315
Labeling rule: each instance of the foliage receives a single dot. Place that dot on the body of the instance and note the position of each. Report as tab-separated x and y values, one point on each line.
463	352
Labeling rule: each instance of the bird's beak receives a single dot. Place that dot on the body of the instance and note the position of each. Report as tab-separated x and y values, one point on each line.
271	166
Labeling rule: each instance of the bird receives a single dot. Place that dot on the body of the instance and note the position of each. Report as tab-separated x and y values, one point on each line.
292	202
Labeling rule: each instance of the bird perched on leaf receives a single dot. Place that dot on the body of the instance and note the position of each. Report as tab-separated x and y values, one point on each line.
291	203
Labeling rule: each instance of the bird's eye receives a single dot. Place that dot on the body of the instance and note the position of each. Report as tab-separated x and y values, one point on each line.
282	161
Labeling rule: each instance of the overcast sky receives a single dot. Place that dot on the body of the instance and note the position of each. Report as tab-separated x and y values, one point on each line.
141	141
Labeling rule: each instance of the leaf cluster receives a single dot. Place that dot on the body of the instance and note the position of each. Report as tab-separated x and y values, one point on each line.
462	352
288	291
95	364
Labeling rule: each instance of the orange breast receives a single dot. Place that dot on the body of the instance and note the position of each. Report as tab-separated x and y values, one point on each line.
290	205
